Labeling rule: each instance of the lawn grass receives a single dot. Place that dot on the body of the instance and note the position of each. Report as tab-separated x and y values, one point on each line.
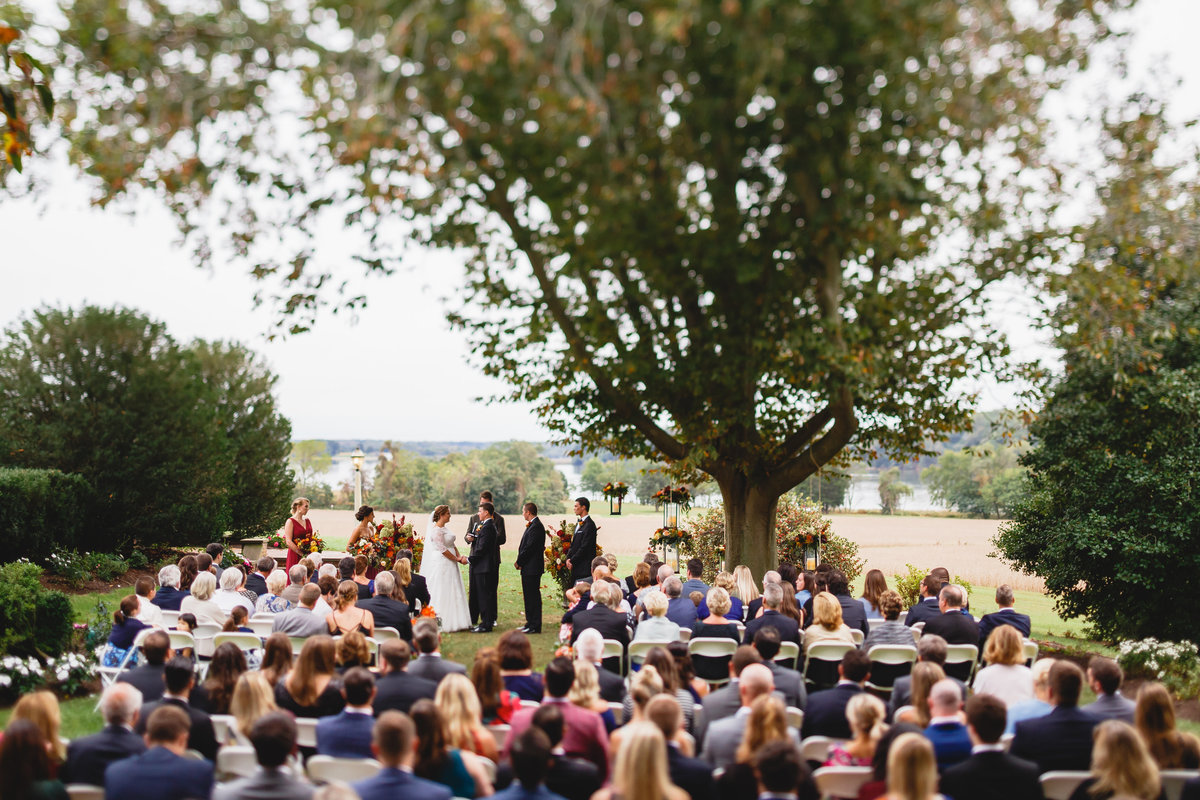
79	717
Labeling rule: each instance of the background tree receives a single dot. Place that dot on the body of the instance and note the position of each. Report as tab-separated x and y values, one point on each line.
827	488
891	489
403	480
707	234
310	459
981	483
1113	521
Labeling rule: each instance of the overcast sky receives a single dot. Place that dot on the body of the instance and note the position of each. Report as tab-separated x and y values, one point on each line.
398	371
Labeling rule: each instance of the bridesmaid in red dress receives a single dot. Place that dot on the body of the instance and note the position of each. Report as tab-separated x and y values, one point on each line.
295	530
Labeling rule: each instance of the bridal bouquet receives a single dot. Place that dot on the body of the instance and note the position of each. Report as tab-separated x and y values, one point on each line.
311	544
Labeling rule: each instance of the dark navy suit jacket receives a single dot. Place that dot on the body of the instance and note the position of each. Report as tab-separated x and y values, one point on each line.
346	735
691	774
1005	616
158	774
396	784
1060	740
789	629
87	758
826	711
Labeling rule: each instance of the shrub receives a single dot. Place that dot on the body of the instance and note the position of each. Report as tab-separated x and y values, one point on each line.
70	566
909	584
840	552
72	673
31	522
105	566
708	539
20	676
1175	664
32	619
137	560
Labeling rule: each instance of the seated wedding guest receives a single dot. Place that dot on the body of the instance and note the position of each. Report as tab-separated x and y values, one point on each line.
397	687
781	772
311	688
274	740
460	708
429	662
297	578
644	685
805	588
680	609
723	736
724	580
656	627
348	734
947	733
238	621
585	735
603	616
1005	616
747	589
695	574
639	581
874	585
766	723
825	713
690	774
924	676
89	756
820	584
41	708
310	566
772	616
853	614
930	650
227	665
126	627
1155	721
697	688
1063	738
585	693
214	551
1039	706
163	771
179	681
891	631
347	616
352	651
328	584
569	777
388	606
256	581
147	612
911	769
926	606
200	601
1104	676
865	713
715	625
827	623
148	678
302	621
668	671
589	647
990	773
189	568
26	766
953	624
531	766
392	744
437	761
187	624
788	681
877	786
516	666
1005	675
366	586
232	582
414	585
1121	766
640	769
253	698
271	599
168	597
277	658
496	703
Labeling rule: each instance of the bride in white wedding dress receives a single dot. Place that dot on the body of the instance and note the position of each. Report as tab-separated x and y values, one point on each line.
439	565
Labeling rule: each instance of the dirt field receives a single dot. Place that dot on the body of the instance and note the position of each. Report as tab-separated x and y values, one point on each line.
888	543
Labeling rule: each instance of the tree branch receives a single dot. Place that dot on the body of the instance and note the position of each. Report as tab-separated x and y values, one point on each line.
796	469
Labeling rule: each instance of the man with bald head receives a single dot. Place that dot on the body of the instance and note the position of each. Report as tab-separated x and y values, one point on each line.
946	732
723	736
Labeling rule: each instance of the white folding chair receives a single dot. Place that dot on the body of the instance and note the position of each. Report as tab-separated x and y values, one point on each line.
788	655
917	629
222	724
85	791
499	732
618	710
961	660
1031	652
614	649
841	781
169	618
203	634
244	641
684	634
1006	741
306	732
816	748
263	625
821	661
1061	784
638	651
236	761
795	717
534	704
1172	781
109	675
875	622
888	662
297	644
386	634
713	647
181	640
326	769
859	636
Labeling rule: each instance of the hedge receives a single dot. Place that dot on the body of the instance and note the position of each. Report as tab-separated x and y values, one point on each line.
42	511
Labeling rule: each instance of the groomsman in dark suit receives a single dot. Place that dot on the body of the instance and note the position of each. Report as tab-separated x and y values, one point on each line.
531	563
472	524
483	556
583	543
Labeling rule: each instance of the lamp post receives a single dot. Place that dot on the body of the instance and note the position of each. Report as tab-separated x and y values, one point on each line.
357	458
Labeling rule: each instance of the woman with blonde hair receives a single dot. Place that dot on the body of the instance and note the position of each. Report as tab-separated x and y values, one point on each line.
767	723
1121	766
644	684
252	698
640	770
924	676
352	651
865	713
585	693
747	590
874	585
724	580
911	769
1154	718
41	708
346	616
1005	675
310	689
827	622
459	704
200	602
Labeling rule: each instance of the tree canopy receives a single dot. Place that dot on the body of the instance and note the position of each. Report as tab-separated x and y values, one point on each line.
746	238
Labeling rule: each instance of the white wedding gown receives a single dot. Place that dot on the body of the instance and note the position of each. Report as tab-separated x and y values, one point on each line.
446	593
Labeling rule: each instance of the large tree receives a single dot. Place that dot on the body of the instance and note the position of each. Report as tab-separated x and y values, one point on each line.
746	238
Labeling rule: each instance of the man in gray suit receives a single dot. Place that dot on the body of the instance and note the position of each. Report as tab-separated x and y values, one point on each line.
724	735
1104	676
274	740
301	621
430	664
725	702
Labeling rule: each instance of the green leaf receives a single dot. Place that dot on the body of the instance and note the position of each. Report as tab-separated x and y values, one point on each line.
46	97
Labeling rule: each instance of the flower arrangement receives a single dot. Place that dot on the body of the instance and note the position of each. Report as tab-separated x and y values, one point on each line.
670	537
1175	664
673	494
232	559
312	543
275	541
556	553
380	545
616	490
397	536
72	672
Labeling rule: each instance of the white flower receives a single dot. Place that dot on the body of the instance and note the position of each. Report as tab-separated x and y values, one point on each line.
5	680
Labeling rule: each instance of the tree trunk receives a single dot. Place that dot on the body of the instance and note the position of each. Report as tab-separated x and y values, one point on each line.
749	525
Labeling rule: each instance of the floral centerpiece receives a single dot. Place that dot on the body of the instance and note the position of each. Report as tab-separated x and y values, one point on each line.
380	546
616	490
675	495
556	554
670	537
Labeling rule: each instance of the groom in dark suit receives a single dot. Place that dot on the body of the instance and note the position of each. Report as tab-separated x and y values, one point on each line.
583	543
531	563
472	524
482	558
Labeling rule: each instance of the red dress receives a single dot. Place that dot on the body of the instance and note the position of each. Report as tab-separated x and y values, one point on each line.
298	534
